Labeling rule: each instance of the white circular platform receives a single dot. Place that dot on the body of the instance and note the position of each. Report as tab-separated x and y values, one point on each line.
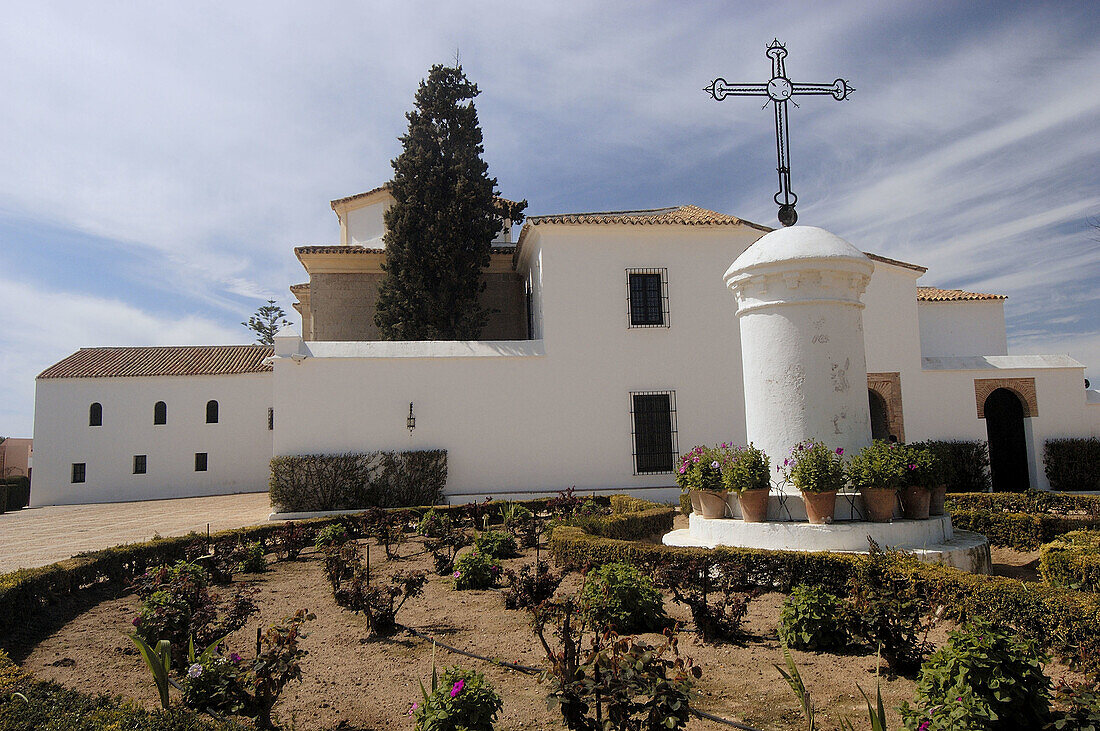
931	540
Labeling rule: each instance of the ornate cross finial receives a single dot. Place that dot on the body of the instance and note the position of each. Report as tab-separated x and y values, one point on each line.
779	90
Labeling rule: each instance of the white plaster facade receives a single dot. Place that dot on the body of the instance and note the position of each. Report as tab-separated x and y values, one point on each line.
538	415
238	446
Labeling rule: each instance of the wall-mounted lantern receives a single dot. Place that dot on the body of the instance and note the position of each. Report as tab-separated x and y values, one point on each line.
410	422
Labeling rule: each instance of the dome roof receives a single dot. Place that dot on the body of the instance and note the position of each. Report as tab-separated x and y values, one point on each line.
797	242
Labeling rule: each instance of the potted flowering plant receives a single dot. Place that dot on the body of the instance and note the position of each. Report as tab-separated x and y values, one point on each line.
700	473
749	475
818	472
920	476
877	472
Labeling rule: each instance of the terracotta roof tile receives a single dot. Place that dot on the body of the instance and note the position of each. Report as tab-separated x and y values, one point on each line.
299	251
935	294
682	215
186	360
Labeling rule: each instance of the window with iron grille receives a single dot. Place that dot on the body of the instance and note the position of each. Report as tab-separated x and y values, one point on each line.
270	418
139	464
647	297
200	461
78	471
653	420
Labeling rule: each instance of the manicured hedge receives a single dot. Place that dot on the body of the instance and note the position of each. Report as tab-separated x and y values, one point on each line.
1072	464
1020	531
630	521
965	464
1072	561
685	503
350	481
1032	501
1066	621
48	706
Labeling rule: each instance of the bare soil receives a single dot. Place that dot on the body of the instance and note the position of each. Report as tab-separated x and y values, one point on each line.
353	681
1022	565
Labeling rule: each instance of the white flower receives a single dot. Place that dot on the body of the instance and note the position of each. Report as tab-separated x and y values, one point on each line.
194	671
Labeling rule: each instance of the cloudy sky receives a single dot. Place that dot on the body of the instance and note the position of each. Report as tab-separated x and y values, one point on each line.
161	160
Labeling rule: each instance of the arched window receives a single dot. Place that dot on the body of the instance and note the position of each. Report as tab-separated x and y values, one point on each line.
160	413
880	416
211	412
95	414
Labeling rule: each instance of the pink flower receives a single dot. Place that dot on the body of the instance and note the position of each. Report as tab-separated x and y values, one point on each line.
234	658
414	707
785	463
924	726
136	621
456	574
840	451
457	687
912	467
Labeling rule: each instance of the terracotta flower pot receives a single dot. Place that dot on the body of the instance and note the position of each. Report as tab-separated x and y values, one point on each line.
820	506
878	503
710	504
914	502
754	505
935	505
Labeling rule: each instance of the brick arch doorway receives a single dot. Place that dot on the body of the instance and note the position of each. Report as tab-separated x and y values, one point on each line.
880	415
1004	424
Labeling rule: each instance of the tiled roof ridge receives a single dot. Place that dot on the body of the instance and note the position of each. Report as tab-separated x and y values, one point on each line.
683	215
895	262
386	186
161	360
939	294
299	251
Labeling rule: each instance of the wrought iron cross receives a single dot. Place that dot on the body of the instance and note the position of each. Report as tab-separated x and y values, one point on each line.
779	90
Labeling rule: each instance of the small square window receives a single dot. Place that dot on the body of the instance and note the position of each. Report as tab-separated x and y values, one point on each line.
78	472
139	464
200	461
647	297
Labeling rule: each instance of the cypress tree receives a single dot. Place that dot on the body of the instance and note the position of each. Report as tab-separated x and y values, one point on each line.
439	230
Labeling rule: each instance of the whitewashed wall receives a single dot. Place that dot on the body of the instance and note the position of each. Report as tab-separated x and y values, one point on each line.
962	328
512	418
239	445
365	225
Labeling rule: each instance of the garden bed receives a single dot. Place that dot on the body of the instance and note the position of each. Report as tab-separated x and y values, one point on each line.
360	682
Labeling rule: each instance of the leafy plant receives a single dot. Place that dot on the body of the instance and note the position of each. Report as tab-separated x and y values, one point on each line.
278	661
750	469
388	528
496	544
716	607
159	661
887	610
333	534
251	558
702	468
522	523
565	505
531	585
291	539
434	524
340	563
984	678
475	570
1081	708
814	467
794	679
462	700
879	465
445	549
212	682
812	619
380	602
620	597
922	468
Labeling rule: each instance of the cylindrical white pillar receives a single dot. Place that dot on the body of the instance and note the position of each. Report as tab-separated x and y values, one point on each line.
805	369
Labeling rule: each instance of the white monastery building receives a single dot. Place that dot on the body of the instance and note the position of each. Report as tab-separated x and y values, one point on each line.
614	344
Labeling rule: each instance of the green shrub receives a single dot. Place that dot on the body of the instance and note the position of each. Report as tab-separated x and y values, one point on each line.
878	465
814	467
749	470
685	503
622	598
252	558
964	464
475	570
1019	531
434	524
18	490
331	535
922	468
461	700
888	608
1042	502
1081	708
496	544
812	619
629	526
357	480
1072	561
1072	464
985	678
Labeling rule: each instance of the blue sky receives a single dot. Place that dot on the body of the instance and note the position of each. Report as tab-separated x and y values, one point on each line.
161	160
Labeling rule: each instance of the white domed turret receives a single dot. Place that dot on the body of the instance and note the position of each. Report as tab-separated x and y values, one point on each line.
805	369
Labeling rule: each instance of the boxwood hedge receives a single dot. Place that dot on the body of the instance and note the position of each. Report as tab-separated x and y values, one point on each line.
1072	561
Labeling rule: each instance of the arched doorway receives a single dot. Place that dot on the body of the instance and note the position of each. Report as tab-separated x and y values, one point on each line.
1004	424
880	417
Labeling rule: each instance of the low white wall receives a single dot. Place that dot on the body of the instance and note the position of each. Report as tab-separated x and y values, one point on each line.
238	446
